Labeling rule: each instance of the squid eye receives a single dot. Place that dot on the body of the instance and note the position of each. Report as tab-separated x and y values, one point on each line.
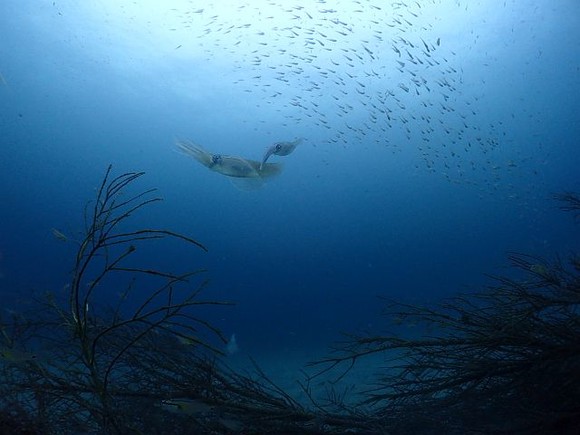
278	147
216	158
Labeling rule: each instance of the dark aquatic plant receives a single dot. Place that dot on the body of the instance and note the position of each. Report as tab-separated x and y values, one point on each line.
146	364
163	309
504	360
91	351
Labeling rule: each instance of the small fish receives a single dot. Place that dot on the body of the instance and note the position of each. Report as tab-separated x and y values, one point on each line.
232	345
187	341
16	356
57	234
5	337
540	269
191	407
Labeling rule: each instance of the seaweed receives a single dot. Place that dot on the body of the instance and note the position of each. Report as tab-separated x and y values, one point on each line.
92	354
502	360
146	364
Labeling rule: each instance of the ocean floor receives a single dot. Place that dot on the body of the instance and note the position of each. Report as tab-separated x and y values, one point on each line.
289	370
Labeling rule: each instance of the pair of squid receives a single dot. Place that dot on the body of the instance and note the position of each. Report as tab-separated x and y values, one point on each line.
245	173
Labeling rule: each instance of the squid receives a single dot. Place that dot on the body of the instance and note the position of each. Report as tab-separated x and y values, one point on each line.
245	173
280	149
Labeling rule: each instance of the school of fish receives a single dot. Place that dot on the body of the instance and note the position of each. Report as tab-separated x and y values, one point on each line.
363	73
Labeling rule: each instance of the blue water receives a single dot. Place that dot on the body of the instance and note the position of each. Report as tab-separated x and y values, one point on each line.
434	135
